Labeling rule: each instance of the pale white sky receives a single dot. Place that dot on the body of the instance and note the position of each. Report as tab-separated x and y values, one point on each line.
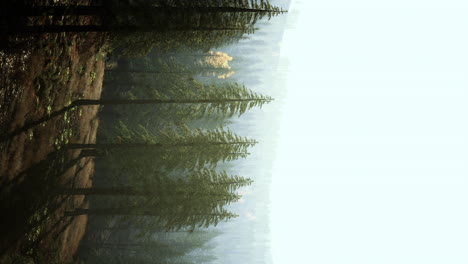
373	149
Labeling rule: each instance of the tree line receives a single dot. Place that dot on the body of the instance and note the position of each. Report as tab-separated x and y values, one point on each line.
141	24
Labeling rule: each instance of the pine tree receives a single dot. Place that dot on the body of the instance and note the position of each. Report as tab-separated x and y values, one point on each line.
228	100
171	220
197	200
201	25
206	182
172	140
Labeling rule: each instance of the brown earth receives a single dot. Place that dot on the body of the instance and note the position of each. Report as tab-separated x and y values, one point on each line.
36	82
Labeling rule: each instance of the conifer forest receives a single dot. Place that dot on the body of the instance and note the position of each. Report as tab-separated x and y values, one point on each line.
128	130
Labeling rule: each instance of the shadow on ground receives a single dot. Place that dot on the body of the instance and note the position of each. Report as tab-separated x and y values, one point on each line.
30	205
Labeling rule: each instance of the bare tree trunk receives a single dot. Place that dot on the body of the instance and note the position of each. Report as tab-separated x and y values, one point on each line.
82	10
102	191
105	28
145	145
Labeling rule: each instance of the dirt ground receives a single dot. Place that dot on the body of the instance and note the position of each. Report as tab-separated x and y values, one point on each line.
35	83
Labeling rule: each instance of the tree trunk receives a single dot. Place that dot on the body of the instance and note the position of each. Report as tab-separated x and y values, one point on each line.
143	145
61	10
82	10
104	28
125	211
152	229
123	245
156	71
92	153
159	101
103	191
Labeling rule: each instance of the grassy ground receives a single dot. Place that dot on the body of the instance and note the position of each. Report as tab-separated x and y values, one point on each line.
37	81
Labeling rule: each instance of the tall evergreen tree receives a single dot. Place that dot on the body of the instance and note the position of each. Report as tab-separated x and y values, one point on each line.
171	140
228	100
204	182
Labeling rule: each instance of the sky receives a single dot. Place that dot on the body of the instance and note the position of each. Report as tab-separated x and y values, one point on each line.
371	156
255	61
